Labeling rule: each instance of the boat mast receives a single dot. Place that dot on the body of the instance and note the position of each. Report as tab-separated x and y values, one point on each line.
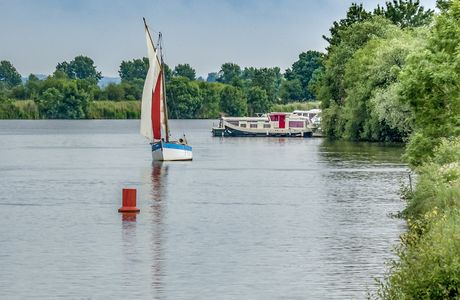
163	82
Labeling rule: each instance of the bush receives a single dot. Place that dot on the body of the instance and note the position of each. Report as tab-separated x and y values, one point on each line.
429	257
27	109
438	183
23	109
429	269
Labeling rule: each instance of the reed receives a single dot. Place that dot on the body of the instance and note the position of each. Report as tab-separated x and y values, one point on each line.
114	110
18	109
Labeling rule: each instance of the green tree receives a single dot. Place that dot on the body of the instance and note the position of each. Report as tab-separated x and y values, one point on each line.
331	88
134	69
9	76
168	73
18	92
258	101
81	67
291	91
372	109
210	93
268	79
184	98
355	14
32	86
64	68
405	13
230	73
443	5
315	81
247	75
184	70
61	98
430	86
303	70
115	92
212	77
51	104
133	89
233	101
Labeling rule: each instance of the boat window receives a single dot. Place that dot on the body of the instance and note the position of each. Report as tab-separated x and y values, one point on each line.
253	125
274	118
266	125
243	125
296	124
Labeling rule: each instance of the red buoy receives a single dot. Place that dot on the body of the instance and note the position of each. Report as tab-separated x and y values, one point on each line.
129	201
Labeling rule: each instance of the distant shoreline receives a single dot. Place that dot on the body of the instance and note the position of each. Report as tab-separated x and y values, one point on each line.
112	110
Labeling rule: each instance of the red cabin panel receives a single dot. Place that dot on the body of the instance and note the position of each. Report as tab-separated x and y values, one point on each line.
282	122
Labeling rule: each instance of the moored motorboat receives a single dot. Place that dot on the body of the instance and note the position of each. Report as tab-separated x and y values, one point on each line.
275	124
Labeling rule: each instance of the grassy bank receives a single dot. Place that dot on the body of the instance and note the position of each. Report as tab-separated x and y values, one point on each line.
19	109
28	110
114	110
429	254
290	107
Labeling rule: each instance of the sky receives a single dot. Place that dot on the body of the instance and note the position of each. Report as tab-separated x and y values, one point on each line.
38	34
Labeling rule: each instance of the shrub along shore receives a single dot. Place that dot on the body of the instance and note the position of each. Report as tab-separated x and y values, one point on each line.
28	110
429	254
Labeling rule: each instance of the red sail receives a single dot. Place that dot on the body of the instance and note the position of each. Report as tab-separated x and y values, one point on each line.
156	109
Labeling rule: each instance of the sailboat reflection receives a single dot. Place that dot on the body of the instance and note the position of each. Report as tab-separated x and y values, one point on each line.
157	211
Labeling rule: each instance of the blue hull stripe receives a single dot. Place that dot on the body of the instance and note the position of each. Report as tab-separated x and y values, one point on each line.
158	146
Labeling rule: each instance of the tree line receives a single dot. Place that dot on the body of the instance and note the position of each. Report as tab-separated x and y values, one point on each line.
233	91
389	76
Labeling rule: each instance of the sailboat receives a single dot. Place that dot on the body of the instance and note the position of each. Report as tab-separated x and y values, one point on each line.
154	109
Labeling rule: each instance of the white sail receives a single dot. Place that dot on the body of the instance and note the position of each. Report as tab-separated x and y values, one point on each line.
152	117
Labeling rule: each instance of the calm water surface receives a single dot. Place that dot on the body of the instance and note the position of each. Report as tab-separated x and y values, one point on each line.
249	218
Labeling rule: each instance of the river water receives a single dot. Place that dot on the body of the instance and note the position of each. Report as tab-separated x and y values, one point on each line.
249	218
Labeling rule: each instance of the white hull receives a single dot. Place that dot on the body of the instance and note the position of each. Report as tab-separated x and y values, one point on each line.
171	152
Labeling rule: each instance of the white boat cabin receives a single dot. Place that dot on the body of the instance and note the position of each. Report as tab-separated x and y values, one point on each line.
270	121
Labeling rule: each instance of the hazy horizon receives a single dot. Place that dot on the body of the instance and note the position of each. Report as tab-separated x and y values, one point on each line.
203	33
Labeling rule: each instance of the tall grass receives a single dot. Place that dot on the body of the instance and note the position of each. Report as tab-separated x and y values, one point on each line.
290	107
19	109
28	109
114	110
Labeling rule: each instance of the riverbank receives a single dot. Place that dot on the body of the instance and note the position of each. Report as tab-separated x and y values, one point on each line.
28	109
429	253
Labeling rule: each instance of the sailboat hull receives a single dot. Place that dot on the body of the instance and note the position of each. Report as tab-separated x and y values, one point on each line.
162	151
